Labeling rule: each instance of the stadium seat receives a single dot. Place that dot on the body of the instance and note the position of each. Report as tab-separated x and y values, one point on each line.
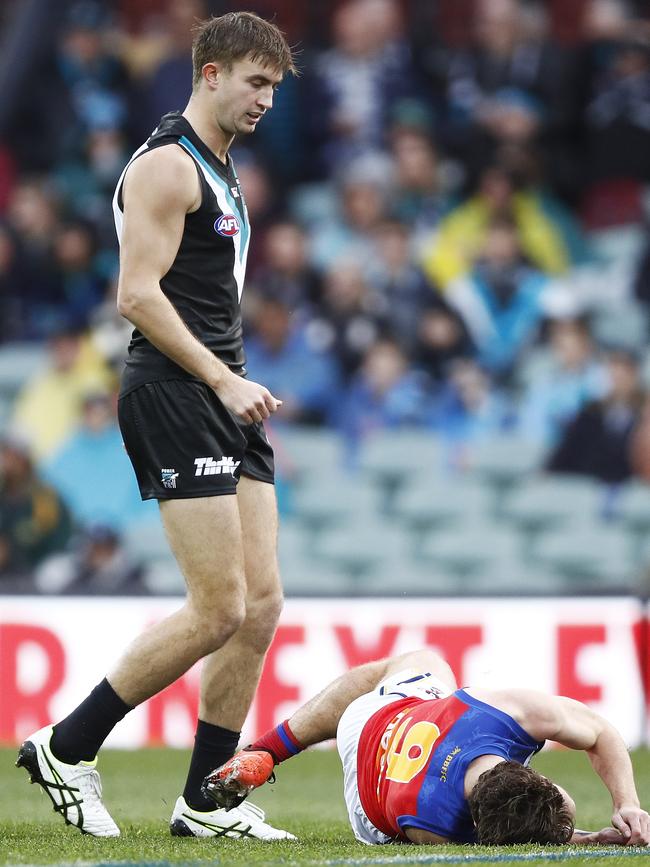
633	506
363	544
434	502
334	498
597	555
307	577
516	577
393	457
303	451
552	500
476	547
506	461
410	579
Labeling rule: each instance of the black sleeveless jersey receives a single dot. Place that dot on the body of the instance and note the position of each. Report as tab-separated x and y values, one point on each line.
206	279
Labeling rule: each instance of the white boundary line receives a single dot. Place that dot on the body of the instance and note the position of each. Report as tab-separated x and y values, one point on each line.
451	858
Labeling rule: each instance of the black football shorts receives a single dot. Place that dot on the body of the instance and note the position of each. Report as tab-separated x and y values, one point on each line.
183	442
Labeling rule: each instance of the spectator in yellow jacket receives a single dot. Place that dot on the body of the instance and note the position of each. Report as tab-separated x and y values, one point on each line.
462	234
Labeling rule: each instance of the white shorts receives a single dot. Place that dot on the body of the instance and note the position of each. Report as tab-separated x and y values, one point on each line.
404	684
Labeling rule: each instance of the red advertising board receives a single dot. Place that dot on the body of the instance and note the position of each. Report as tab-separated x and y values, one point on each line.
53	651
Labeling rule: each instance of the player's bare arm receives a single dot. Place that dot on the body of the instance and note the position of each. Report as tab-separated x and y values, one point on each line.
160	189
576	726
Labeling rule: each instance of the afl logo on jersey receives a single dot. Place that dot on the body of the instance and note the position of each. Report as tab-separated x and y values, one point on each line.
227	225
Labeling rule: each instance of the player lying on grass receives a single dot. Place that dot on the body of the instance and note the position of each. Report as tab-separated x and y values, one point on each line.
426	762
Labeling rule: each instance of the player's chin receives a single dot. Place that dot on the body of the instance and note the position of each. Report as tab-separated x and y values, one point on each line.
246	126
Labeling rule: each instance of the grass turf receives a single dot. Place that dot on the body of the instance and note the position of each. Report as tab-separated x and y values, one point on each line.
140	789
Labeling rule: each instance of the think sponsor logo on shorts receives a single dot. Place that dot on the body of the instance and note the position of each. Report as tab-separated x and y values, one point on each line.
168	477
227	225
210	467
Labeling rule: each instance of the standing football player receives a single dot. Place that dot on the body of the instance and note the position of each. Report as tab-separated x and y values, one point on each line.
193	428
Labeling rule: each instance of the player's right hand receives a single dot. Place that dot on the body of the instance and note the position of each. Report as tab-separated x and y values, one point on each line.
249	401
634	825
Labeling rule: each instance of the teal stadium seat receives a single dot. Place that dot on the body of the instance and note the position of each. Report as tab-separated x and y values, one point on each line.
633	507
554	501
393	458
364	544
437	501
593	557
304	451
334	498
476	546
506	461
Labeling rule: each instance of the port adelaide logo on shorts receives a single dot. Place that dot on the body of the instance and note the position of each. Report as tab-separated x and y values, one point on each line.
168	477
227	225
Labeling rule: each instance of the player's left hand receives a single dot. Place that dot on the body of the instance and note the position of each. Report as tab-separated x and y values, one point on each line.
634	825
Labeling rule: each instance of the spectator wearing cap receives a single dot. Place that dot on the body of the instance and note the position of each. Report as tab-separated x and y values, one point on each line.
501	300
599	441
92	471
48	407
34	520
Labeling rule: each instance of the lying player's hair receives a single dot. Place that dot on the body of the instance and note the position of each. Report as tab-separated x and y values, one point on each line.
239	35
511	803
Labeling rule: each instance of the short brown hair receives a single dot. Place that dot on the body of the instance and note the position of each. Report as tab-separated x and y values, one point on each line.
237	35
511	803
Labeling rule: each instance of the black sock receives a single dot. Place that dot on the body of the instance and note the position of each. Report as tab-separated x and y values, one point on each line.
79	736
212	747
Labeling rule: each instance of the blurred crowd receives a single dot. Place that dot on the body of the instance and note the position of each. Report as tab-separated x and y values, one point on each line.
449	211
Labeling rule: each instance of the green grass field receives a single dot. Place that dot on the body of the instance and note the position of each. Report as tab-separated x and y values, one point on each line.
140	790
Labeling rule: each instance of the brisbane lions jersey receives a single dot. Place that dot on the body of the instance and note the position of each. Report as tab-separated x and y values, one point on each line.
413	755
206	279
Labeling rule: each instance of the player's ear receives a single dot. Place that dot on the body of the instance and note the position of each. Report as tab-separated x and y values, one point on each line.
210	73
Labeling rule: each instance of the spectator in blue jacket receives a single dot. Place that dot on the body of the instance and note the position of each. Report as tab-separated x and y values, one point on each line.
92	472
501	299
293	365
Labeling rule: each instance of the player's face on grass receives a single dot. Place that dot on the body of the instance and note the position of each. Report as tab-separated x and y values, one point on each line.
243	94
568	801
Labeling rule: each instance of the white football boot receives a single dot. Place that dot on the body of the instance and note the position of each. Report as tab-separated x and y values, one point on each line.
75	790
247	820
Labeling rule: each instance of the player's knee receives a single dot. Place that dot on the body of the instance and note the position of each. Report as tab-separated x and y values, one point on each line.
214	626
263	609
